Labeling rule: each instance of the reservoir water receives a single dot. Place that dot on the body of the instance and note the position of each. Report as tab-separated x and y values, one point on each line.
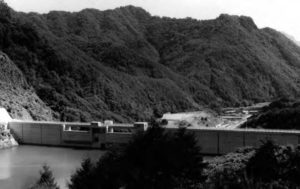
20	166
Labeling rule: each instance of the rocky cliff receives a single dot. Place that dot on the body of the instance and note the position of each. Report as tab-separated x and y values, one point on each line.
16	96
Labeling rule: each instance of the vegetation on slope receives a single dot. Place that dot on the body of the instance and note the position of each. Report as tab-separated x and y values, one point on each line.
157	159
269	166
125	64
280	114
16	95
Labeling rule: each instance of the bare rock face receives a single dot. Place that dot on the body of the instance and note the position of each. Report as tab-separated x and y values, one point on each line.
10	74
17	97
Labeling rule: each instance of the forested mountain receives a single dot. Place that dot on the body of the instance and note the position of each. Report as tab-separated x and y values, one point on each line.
125	64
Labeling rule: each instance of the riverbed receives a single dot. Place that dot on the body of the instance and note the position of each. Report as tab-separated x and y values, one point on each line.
20	166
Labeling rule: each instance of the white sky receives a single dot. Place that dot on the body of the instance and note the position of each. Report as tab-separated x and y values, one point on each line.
283	15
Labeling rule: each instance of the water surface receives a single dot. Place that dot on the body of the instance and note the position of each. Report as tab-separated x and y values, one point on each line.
20	166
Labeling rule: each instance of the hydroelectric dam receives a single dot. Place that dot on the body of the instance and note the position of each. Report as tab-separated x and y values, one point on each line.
95	135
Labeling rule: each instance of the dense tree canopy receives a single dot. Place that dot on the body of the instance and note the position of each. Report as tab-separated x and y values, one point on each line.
268	166
5	12
156	159
126	65
171	160
280	114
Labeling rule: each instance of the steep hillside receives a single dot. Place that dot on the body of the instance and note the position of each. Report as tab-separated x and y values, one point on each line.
125	64
280	114
16	96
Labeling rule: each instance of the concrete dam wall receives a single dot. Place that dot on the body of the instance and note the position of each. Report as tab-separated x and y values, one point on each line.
211	140
72	134
47	133
222	141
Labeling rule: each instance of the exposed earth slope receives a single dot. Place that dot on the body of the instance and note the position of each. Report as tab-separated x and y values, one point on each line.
17	97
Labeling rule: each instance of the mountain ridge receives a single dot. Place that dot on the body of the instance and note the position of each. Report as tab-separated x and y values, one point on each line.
125	64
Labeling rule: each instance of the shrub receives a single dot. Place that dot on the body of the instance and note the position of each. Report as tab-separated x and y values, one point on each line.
183	124
164	122
268	166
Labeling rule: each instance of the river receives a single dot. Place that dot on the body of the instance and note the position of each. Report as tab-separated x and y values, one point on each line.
20	166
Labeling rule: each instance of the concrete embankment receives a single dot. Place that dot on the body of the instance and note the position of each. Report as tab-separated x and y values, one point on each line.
6	138
8	142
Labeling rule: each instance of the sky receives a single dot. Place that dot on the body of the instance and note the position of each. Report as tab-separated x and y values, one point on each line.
282	15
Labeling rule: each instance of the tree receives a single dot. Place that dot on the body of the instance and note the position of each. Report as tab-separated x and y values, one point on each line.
46	180
264	165
83	178
276	166
268	166
164	122
155	159
5	11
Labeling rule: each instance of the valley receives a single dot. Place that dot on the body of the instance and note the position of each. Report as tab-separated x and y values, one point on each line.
127	65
